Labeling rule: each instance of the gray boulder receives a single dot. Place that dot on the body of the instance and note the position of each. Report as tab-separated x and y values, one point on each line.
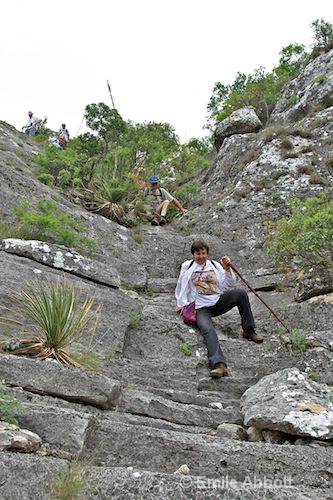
15	439
242	121
290	402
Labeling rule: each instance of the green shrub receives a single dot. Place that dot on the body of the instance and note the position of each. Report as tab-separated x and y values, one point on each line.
314	376
9	406
52	162
186	193
319	79
47	179
186	349
48	223
292	100
298	340
64	177
307	233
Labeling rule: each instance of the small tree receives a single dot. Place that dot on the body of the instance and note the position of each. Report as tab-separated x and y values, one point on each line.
322	32
105	121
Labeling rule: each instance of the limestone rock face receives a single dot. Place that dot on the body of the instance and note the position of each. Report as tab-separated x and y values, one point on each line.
241	121
60	257
50	377
152	407
313	87
290	402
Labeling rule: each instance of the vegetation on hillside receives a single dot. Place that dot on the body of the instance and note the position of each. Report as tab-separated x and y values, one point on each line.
9	406
261	89
109	166
306	235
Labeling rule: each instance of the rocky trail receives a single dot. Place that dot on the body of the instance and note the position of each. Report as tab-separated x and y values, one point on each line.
150	423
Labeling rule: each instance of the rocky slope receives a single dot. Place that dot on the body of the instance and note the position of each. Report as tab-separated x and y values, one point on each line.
151	424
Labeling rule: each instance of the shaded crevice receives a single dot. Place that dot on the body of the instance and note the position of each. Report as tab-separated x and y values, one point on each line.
69	399
266	288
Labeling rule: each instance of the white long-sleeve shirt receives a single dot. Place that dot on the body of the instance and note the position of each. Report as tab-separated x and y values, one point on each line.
32	121
187	291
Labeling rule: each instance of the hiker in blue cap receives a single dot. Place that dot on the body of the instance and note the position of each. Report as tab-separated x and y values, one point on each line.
159	198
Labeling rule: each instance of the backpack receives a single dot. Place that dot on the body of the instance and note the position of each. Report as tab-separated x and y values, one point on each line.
146	193
192	262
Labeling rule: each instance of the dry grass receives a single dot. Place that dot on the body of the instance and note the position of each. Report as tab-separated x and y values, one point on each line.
286	144
274	131
305	169
263	183
317	179
241	192
289	154
250	156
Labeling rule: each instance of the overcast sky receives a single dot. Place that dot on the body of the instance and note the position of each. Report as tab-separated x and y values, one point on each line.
161	57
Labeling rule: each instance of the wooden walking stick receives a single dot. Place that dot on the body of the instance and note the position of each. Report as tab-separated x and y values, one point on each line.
257	295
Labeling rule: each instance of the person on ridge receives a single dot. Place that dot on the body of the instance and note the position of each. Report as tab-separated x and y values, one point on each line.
160	199
208	284
31	126
63	136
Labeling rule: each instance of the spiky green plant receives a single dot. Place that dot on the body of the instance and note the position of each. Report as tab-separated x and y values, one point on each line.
60	320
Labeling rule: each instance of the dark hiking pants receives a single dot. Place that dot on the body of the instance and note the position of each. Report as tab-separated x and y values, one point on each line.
229	299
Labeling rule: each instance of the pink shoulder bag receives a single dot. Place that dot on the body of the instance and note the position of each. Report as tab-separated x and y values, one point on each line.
189	313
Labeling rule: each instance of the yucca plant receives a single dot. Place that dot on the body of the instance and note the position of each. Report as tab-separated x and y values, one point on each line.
60	320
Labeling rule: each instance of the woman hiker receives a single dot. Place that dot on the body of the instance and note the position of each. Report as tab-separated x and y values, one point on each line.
208	284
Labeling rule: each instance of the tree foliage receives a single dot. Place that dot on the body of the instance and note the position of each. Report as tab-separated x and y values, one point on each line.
322	32
306	234
259	89
111	162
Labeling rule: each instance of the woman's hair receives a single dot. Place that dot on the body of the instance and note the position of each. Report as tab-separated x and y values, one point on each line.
199	245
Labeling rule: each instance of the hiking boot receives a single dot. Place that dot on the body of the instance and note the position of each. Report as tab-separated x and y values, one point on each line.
253	337
219	371
154	222
162	221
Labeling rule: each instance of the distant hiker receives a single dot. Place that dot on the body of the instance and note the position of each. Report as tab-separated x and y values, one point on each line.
31	126
159	198
206	283
63	137
55	142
